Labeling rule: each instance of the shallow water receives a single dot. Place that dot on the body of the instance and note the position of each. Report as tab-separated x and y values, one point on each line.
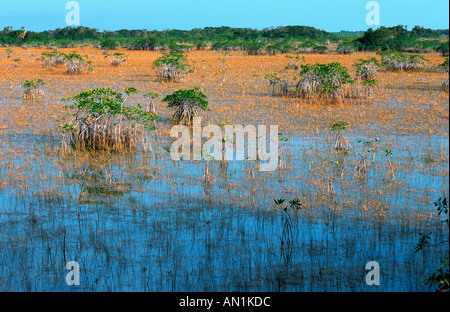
146	223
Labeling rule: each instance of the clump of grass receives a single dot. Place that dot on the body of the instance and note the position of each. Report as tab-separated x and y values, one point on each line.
77	64
399	61
187	104
99	119
33	89
170	66
324	80
116	59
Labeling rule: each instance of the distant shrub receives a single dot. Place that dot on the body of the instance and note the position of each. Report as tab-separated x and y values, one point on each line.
279	47
227	46
151	96
9	52
346	48
77	64
32	89
341	142
180	47
109	44
116	59
443	48
279	86
15	63
320	49
52	59
170	66
399	61
187	104
255	48
445	66
323	80
367	68
201	45
100	119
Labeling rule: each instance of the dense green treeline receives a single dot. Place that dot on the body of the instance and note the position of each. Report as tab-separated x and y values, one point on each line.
268	40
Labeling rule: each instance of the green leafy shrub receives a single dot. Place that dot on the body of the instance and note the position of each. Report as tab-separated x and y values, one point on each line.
346	48
33	88
116	59
323	79
366	69
279	47
443	48
320	49
341	142
52	59
170	66
440	279
16	63
445	66
109	44
187	104
255	48
100	119
77	64
399	61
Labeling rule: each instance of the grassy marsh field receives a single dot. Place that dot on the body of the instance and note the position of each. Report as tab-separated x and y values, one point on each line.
139	221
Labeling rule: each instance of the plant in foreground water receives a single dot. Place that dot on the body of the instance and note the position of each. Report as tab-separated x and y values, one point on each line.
100	119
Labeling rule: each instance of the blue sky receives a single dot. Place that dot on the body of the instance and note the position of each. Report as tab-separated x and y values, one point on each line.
330	15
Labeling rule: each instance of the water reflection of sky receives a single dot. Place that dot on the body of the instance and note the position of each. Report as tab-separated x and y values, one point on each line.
166	233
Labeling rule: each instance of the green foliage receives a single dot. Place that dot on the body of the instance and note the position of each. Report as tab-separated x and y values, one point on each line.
187	103
100	119
170	66
77	63
445	66
255	48
152	95
443	48
398	38
116	59
109	44
182	96
294	204
176	59
440	278
346	48
398	61
53	58
367	68
33	83
324	79
279	47
339	126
